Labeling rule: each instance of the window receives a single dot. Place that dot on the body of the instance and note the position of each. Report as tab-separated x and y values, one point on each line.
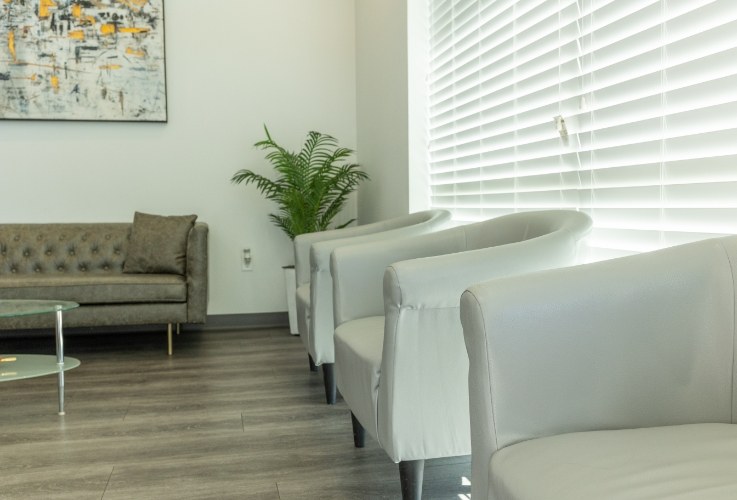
624	109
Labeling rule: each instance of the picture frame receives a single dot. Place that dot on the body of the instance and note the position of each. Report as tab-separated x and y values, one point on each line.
89	60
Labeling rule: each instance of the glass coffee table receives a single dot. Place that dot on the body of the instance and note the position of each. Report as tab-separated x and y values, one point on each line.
21	366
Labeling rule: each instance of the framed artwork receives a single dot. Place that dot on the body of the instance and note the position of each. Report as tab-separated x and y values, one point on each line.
100	60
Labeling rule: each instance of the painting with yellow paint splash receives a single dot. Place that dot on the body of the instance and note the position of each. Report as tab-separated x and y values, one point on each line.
82	60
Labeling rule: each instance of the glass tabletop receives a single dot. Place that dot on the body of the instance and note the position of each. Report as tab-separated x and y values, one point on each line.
20	366
13	308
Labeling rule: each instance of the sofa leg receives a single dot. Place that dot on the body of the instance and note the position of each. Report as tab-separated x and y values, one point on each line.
313	366
178	324
359	433
169	339
328	375
411	473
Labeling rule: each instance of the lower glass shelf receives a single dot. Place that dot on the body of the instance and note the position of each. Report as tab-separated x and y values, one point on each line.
21	366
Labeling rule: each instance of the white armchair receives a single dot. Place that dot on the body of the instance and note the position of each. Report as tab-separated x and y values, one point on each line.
613	380
314	282
399	355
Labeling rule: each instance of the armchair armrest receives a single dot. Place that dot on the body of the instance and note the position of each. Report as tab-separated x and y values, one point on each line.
358	270
423	337
642	341
322	323
303	243
422	222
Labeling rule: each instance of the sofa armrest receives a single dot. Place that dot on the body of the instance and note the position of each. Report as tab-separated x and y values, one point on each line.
197	279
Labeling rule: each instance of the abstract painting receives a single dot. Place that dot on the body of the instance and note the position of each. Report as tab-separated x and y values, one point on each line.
82	60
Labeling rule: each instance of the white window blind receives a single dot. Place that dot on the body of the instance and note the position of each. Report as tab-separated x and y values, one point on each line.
646	90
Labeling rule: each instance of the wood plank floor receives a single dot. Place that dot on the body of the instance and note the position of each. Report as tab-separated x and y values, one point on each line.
233	414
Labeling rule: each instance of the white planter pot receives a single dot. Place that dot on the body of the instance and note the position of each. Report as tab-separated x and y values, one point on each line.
290	280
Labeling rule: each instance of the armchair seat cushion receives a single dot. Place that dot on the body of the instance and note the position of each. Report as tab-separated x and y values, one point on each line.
684	462
359	344
302	301
303	295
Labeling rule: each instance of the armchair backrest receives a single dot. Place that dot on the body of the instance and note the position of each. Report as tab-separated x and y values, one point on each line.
303	242
640	341
360	293
526	226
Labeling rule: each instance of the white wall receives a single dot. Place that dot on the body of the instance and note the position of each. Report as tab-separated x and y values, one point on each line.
232	66
382	107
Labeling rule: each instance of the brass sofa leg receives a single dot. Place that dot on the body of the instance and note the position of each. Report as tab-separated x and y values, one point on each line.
178	328
169	338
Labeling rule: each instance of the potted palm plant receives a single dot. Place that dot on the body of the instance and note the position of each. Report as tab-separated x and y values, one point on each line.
310	189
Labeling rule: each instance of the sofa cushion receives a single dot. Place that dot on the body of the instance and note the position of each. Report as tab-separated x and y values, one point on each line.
158	244
687	462
97	288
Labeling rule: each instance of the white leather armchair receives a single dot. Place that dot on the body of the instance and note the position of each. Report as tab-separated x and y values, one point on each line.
399	355
314	282
613	380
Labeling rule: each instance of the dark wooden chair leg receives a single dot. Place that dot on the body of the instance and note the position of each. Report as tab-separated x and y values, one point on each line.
313	366
359	433
411	473
328	375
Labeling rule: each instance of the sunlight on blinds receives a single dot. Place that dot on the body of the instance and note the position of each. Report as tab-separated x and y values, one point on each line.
624	109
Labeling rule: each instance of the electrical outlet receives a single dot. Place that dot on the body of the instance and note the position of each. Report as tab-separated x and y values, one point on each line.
246	260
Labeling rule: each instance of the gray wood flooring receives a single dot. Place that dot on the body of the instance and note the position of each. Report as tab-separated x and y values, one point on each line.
233	414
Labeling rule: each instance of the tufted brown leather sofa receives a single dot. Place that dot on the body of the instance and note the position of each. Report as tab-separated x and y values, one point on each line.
84	263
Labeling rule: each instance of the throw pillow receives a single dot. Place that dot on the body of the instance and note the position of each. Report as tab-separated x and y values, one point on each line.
158	244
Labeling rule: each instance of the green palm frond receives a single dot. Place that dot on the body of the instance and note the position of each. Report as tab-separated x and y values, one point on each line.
311	188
